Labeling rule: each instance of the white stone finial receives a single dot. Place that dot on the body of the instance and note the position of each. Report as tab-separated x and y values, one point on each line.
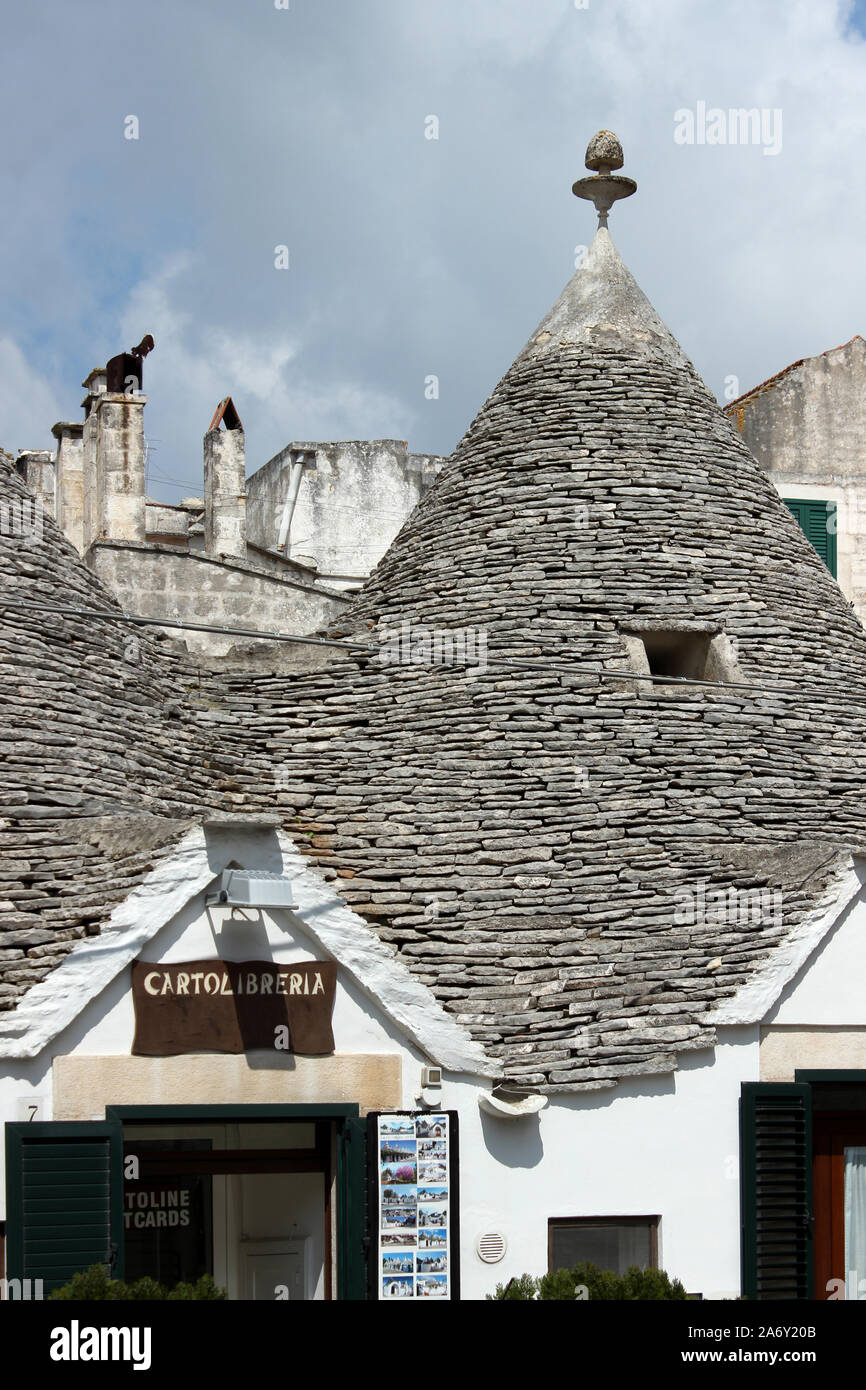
603	154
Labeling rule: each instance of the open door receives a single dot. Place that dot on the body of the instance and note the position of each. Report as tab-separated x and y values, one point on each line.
840	1204
64	1188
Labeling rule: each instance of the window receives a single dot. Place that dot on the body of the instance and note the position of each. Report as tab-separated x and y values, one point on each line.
679	650
677	653
817	519
612	1242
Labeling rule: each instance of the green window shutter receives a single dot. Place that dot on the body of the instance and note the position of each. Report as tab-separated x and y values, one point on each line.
353	1238
818	520
776	1190
64	1190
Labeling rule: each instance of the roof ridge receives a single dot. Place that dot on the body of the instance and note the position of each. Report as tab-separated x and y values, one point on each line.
771	380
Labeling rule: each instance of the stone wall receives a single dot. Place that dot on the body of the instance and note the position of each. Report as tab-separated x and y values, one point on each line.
156	581
354	497
807	428
217	559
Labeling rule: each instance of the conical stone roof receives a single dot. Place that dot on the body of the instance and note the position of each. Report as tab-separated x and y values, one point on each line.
601	482
105	758
603	305
527	837
524	837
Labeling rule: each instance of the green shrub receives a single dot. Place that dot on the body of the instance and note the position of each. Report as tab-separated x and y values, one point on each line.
146	1290
559	1284
94	1285
522	1288
587	1282
89	1286
203	1288
652	1284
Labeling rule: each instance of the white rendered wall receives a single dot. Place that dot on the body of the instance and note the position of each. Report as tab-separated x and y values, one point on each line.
667	1147
664	1146
830	989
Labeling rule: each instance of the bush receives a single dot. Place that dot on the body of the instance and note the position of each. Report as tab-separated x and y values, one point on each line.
652	1284
524	1287
203	1288
587	1282
94	1285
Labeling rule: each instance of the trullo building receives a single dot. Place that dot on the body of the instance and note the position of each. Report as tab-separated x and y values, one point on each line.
522	923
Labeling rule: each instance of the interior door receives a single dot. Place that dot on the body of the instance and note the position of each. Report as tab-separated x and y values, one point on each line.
276	1270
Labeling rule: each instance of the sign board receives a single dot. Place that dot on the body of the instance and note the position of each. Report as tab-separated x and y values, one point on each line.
233	1006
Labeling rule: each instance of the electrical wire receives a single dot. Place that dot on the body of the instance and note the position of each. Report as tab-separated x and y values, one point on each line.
367	648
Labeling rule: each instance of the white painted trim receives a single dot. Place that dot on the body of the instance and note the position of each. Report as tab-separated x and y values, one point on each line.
375	968
55	1002
754	1000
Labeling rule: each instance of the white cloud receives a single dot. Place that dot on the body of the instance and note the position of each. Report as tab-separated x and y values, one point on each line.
412	256
28	405
196	363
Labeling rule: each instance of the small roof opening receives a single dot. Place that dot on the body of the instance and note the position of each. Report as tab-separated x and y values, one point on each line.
678	654
680	651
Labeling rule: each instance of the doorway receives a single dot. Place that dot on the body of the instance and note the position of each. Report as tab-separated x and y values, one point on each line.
839	1187
248	1203
69	1188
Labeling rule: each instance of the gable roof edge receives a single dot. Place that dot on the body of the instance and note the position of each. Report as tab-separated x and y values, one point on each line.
753	1001
57	1000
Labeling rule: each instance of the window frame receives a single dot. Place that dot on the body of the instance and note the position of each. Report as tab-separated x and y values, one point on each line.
811	504
558	1222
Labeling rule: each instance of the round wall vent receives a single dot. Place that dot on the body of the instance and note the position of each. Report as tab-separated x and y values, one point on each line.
491	1247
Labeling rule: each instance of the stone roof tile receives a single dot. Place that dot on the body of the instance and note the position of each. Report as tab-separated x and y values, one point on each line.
527	840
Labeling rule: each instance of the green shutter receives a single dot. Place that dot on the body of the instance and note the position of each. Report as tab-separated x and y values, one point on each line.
64	1190
776	1190
353	1238
818	521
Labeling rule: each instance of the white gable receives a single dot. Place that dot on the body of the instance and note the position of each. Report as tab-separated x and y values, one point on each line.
202	932
171	903
791	960
830	989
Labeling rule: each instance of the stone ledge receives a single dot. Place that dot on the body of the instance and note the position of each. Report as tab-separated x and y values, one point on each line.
83	1086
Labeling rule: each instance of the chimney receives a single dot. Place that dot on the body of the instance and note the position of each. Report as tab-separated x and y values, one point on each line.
113	449
69	480
115	460
225	484
94	385
36	467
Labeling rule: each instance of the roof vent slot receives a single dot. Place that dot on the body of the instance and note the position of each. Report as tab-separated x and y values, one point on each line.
680	650
682	655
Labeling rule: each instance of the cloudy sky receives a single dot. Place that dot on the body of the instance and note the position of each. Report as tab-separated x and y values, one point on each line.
304	124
